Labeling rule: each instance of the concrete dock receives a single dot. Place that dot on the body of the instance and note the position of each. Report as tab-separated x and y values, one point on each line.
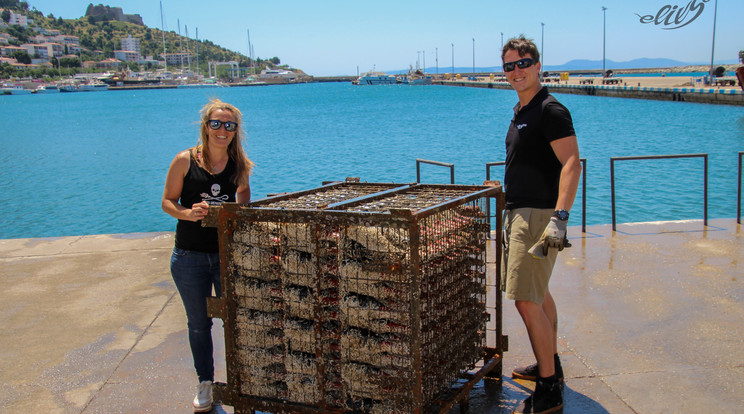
650	321
672	88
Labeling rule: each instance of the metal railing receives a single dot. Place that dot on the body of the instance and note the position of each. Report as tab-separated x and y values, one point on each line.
583	187
658	157
738	192
419	161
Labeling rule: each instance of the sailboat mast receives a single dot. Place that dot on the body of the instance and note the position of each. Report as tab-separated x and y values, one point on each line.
162	30
180	43
250	62
188	47
197	52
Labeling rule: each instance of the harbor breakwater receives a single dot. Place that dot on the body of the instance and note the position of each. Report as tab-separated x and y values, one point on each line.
709	95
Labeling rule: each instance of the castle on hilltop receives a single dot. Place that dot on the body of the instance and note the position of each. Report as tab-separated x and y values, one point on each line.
101	12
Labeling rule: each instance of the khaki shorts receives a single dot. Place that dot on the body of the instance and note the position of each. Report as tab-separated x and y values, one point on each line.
526	278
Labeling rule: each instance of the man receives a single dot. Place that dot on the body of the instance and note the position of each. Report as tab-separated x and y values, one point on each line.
542	175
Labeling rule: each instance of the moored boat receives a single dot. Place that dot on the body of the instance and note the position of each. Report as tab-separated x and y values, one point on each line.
415	77
14	90
199	85
67	86
47	89
92	86
375	78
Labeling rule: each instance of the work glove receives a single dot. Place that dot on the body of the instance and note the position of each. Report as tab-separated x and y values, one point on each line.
554	235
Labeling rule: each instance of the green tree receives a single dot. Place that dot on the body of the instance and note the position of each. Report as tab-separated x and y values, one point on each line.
6	70
6	16
21	56
23	5
275	60
21	33
69	62
741	56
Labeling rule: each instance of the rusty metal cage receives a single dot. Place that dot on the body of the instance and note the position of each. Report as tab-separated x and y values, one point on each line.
356	297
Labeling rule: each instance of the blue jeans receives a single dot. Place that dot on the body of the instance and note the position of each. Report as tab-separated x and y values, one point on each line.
194	274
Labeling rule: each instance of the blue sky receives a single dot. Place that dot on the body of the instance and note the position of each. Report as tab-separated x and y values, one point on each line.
334	37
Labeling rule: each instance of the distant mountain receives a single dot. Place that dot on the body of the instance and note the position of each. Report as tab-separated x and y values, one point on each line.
581	64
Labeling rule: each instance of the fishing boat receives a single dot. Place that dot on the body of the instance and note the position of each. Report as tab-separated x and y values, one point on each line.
415	77
47	89
67	86
14	90
92	86
375	78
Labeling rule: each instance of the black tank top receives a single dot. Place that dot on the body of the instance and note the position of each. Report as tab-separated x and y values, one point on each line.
198	186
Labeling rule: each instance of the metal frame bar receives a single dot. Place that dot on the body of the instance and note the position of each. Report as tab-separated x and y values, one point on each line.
658	157
420	161
327	187
583	187
738	192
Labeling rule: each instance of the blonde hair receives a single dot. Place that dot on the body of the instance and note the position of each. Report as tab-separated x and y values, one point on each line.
234	150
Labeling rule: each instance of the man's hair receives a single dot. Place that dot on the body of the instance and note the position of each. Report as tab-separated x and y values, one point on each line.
523	46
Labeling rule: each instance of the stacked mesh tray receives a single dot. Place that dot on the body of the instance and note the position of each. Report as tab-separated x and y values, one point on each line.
354	297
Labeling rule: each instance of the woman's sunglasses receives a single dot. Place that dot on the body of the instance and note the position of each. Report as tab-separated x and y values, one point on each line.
216	124
521	64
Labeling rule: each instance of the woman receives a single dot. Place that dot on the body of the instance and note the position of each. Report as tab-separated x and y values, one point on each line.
214	171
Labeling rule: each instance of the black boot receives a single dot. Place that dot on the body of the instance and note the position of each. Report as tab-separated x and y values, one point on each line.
530	373
547	398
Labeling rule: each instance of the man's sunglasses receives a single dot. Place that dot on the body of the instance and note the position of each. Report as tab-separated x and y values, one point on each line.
521	64
216	124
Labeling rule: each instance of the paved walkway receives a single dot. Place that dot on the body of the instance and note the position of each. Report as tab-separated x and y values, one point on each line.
650	321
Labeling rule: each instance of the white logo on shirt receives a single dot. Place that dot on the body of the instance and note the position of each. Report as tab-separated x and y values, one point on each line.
520	126
215	198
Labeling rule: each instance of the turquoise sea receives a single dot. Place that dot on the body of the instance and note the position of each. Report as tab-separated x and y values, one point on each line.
95	163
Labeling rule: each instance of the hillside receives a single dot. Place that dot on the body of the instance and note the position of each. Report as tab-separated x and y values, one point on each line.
100	35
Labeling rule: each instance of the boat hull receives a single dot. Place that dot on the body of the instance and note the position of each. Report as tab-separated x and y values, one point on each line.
92	88
14	91
375	78
47	89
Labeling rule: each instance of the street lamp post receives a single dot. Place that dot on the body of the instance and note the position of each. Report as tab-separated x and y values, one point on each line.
453	59
436	59
473	56
713	48
604	37
423	70
502	40
542	47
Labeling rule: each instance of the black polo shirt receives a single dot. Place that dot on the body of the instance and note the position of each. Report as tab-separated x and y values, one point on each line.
532	169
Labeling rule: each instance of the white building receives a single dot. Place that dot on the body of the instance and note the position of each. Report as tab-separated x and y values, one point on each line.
178	58
36	49
16	18
127	55
72	42
8	50
131	44
150	60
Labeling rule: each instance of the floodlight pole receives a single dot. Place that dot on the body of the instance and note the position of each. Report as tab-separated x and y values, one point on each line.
713	48
604	39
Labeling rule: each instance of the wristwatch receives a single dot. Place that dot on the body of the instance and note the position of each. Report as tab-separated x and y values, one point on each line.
562	215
